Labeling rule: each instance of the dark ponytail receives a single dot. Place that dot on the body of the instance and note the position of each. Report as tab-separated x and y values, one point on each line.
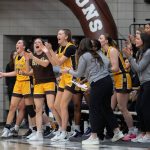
97	57
86	46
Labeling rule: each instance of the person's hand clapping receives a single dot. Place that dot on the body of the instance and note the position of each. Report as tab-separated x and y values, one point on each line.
48	45
29	54
127	52
22	72
44	48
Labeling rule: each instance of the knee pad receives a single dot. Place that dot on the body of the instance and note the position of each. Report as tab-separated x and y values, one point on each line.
30	110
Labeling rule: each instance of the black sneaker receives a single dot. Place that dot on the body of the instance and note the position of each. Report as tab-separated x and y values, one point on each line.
29	131
87	133
13	133
47	132
76	136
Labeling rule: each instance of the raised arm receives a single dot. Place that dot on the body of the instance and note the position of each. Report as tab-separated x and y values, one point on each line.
46	49
142	64
81	68
145	61
43	63
59	61
8	74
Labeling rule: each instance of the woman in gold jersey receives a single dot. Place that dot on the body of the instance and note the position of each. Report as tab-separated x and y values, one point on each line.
122	81
21	88
65	86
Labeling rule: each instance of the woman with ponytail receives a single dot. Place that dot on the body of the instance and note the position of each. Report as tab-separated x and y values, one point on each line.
94	66
122	82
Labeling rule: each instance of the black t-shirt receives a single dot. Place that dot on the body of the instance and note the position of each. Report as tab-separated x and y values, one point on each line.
70	52
42	74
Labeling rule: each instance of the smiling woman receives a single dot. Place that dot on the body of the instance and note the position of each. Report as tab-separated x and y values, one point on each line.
22	90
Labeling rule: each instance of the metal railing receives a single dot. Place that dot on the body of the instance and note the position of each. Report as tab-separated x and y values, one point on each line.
134	27
120	43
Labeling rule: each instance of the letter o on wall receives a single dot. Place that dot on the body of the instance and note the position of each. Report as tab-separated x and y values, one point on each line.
94	17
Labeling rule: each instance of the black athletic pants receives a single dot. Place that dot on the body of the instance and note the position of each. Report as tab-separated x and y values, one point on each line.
143	107
100	111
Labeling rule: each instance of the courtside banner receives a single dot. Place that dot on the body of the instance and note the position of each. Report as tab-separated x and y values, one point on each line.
94	17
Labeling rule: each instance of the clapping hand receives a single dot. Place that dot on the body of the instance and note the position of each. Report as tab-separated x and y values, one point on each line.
44	48
48	45
21	72
29	55
127	52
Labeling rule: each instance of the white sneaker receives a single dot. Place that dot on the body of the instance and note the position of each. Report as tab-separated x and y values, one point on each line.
36	137
63	137
5	133
32	134
145	139
55	138
91	141
117	136
140	136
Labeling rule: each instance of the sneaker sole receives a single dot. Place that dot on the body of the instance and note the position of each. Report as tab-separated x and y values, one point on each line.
34	139
90	144
64	140
118	139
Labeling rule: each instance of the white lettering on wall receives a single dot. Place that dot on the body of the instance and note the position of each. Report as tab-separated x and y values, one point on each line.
96	25
81	3
90	12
